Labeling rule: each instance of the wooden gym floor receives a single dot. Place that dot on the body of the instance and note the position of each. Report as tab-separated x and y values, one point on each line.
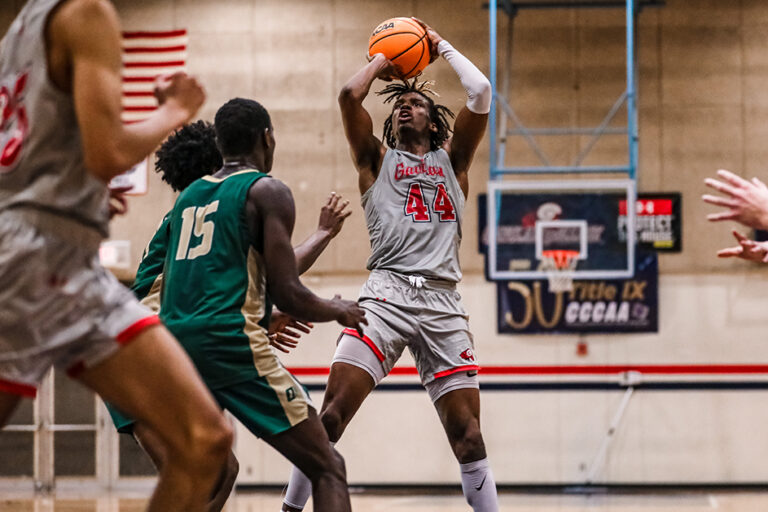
510	502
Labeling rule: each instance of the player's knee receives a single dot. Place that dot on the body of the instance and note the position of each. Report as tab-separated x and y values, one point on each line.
221	439
468	445
211	442
333	422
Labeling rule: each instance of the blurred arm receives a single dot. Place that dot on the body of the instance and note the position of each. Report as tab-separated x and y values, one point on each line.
89	32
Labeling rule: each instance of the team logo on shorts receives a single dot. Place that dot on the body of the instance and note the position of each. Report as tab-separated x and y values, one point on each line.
290	393
468	355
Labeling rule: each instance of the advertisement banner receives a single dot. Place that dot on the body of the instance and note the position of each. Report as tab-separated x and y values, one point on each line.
658	221
594	306
658	224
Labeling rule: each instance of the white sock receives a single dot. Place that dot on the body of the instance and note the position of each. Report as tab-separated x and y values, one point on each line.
299	488
479	486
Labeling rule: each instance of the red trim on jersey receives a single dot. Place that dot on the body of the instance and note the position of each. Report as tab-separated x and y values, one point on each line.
365	339
17	388
465	368
137	328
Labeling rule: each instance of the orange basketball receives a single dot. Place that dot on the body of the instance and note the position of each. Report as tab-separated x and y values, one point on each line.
404	42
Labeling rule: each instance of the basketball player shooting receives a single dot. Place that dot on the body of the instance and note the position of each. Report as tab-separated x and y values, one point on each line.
414	187
61	141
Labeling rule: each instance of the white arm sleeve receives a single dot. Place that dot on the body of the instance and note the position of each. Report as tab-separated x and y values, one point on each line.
474	81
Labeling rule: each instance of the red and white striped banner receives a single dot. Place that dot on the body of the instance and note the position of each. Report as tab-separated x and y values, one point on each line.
147	55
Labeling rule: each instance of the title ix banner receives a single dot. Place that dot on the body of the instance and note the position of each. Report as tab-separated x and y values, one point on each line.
594	306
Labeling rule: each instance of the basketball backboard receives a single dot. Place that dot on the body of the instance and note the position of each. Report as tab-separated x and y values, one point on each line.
527	219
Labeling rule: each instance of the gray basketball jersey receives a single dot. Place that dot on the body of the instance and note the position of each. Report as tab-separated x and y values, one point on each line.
41	158
414	211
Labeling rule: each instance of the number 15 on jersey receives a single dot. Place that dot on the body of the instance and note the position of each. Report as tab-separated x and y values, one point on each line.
193	219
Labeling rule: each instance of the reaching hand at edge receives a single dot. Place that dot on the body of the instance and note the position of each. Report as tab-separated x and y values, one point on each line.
332	217
284	331
746	201
747	249
118	203
333	214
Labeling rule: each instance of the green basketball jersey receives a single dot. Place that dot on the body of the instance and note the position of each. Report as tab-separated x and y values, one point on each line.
214	285
146	286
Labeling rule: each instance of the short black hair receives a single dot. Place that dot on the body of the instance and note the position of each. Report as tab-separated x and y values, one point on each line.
438	114
188	154
239	123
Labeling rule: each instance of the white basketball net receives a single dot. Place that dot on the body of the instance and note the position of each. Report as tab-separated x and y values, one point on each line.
558	266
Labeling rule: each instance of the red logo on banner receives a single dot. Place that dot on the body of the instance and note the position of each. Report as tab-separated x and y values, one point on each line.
648	207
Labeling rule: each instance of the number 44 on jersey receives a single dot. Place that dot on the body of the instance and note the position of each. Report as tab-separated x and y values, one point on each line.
416	204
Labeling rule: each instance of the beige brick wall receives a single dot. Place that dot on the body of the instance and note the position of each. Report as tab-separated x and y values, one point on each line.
703	104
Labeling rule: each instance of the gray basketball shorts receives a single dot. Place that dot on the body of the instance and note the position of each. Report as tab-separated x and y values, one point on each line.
58	306
422	314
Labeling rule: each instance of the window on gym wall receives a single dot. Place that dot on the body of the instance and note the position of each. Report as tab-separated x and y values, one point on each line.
74	446
18	447
69	423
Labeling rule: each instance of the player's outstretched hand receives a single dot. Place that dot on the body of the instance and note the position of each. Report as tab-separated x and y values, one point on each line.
746	201
284	331
747	249
434	40
350	314
180	91
333	215
118	204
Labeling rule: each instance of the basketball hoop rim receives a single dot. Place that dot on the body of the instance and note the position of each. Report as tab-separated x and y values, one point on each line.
560	257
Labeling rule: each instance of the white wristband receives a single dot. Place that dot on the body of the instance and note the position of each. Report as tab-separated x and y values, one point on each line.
478	87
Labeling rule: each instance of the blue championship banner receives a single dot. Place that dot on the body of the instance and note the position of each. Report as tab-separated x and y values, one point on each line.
594	306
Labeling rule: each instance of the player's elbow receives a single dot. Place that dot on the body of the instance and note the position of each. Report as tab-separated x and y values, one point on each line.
480	96
107	163
348	96
484	87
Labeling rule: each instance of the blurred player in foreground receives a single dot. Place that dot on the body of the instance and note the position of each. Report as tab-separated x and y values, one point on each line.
61	141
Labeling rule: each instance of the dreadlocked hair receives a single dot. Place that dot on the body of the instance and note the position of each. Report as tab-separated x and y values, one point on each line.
188	154
438	114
